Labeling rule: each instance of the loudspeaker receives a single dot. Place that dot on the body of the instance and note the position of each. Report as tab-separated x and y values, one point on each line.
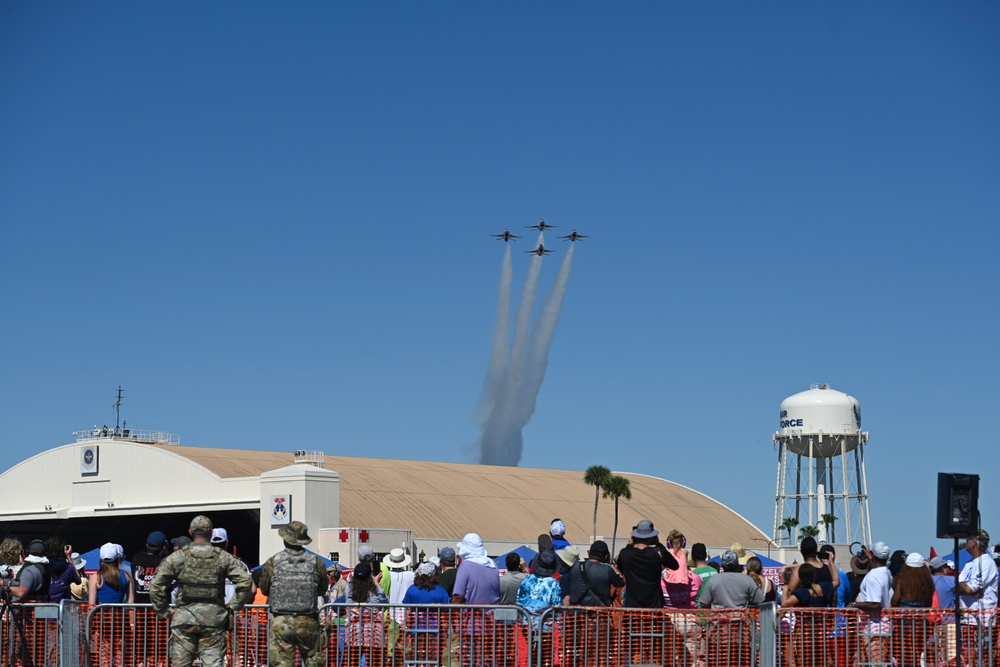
958	505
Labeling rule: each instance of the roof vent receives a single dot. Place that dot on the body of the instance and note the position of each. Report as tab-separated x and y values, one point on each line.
313	457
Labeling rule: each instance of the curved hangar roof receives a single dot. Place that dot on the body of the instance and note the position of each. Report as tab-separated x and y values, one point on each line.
434	500
500	503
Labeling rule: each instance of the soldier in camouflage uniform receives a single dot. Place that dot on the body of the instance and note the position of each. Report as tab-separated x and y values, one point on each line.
199	622
293	580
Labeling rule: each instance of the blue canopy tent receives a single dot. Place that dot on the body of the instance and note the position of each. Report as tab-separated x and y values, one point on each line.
522	551
963	558
764	560
93	558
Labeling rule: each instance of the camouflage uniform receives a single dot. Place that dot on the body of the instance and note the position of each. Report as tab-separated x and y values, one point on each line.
199	623
293	580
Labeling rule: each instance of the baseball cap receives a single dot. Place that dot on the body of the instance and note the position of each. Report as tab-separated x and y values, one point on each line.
447	555
914	560
219	535
109	552
36	548
365	551
880	550
937	563
557	528
156	539
201	525
599	549
180	542
729	558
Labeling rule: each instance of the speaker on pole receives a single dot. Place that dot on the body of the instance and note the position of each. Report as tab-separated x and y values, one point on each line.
958	505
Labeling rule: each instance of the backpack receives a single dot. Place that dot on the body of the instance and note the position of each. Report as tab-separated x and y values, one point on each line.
201	577
39	593
295	583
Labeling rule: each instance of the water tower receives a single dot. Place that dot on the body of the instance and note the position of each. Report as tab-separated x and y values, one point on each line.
821	468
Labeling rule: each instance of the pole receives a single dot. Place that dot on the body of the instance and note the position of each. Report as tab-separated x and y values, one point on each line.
958	610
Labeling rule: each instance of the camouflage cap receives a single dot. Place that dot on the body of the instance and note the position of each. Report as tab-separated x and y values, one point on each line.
295	533
201	525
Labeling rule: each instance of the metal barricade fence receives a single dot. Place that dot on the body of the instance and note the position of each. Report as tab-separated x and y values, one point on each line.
621	637
413	635
29	635
73	634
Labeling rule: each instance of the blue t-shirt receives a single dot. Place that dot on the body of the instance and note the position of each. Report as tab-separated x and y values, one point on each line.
436	595
843	590
944	584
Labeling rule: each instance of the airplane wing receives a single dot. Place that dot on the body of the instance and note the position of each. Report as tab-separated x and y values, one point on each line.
515	236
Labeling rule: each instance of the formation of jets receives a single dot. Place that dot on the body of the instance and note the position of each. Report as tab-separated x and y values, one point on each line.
541	251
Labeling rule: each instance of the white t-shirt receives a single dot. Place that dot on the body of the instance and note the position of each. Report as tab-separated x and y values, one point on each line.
877	587
981	575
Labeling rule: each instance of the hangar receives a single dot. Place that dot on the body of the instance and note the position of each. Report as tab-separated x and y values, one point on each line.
119	487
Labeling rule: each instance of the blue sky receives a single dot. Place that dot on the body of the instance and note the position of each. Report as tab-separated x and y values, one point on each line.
270	223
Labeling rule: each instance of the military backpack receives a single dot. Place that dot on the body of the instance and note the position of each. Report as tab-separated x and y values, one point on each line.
201	577
295	584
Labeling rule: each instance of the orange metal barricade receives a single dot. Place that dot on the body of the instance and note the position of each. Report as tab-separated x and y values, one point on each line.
29	635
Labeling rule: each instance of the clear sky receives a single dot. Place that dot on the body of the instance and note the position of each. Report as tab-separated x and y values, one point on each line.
270	223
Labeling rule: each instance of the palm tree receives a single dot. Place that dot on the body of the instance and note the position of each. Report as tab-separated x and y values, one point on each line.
616	487
789	524
596	476
827	520
809	531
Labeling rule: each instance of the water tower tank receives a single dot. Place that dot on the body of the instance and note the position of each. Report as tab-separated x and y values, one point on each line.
820	422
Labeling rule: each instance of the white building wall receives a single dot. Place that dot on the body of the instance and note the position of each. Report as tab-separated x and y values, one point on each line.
314	495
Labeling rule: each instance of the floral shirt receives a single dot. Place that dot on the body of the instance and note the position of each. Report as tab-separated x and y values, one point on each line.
536	594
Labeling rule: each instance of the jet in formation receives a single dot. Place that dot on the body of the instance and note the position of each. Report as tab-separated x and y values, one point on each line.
506	236
540	250
541	226
573	236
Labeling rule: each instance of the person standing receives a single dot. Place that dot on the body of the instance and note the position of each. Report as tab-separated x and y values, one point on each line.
145	562
641	562
199	621
293	581
517	570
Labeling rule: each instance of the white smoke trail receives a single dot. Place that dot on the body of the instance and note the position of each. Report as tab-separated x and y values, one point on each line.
541	343
500	442
498	356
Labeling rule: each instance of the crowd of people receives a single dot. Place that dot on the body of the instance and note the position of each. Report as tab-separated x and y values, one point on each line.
646	573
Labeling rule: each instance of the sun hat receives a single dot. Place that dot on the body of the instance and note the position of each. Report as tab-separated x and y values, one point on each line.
880	550
914	560
557	528
109	553
295	533
729	558
78	562
397	559
860	565
741	553
644	530
219	535
544	564
569	555
426	569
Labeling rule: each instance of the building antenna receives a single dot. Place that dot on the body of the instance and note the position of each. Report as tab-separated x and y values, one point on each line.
118	410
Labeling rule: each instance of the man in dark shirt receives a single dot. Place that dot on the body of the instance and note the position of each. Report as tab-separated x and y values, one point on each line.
642	563
590	581
144	565
448	569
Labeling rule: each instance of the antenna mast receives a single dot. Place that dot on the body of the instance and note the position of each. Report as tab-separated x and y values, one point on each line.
118	410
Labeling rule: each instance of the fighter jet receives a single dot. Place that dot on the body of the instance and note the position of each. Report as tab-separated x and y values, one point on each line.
506	236
541	226
572	237
540	251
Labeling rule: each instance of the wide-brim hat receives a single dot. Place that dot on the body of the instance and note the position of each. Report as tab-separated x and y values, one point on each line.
860	566
742	555
644	530
397	559
78	562
569	555
295	533
544	564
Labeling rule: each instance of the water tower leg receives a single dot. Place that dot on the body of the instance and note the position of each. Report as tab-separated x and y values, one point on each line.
847	491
